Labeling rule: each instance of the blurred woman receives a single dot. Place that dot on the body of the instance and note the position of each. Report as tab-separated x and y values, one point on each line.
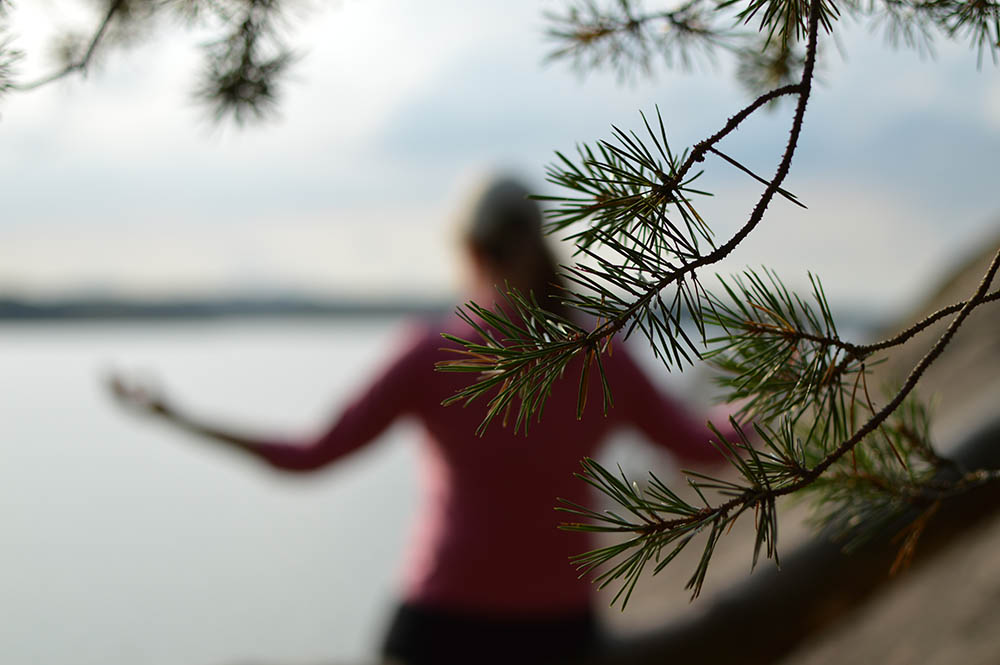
487	577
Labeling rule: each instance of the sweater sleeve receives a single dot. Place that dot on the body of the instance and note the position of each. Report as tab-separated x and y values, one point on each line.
394	392
663	420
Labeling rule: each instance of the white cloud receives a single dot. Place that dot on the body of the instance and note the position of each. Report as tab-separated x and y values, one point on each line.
871	250
394	102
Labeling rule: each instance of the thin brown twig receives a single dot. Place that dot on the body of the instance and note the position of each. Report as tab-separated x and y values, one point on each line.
609	327
914	377
857	352
862	351
854	351
921	325
84	61
885	435
803	89
586	34
699	150
810	476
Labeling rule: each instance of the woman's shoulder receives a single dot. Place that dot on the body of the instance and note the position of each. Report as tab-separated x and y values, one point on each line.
433	336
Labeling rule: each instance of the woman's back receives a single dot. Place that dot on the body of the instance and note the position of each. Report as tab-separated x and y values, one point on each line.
487	534
487	576
487	537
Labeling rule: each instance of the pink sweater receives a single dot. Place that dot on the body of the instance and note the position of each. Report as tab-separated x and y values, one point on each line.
487	540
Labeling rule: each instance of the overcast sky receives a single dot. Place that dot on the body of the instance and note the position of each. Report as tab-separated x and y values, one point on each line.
119	182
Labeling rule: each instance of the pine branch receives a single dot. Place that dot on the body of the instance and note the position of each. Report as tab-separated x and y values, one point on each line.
517	363
629	190
779	471
898	473
789	19
915	22
9	57
523	352
81	64
623	37
628	39
920	326
700	149
644	288
779	355
917	372
243	68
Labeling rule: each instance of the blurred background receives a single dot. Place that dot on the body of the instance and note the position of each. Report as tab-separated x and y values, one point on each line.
120	544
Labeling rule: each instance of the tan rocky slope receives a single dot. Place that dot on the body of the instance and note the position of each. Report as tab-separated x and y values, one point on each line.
945	610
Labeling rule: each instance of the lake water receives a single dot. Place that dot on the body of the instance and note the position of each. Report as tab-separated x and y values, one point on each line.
125	542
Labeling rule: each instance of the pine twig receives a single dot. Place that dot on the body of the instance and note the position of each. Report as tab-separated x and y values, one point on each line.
81	64
906	335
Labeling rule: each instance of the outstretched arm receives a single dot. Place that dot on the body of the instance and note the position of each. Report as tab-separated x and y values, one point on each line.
392	393
146	399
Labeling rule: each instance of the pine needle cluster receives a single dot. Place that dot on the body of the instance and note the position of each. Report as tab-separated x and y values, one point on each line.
244	65
809	422
765	36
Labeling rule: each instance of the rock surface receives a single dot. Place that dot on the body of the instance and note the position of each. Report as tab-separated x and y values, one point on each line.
945	610
948	609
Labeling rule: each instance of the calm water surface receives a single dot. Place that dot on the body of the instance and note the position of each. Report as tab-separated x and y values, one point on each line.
124	542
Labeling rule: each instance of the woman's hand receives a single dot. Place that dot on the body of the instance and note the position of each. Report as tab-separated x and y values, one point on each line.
145	396
139	395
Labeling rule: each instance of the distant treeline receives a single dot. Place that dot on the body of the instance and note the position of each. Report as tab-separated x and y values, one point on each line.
109	308
860	323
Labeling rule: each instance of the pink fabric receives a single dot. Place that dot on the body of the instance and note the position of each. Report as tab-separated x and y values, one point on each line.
486	538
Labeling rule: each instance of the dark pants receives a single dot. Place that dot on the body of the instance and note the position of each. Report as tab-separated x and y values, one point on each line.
427	636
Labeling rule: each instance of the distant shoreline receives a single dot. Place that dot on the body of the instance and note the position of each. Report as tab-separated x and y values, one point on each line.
190	309
103	309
